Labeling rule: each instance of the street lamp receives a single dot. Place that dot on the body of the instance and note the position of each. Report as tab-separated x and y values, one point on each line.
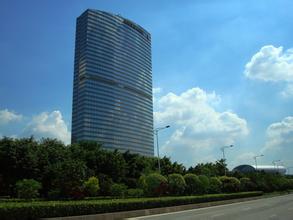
288	168
256	161
223	150
276	162
156	131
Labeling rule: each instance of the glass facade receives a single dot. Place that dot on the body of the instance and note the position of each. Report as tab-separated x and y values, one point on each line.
112	88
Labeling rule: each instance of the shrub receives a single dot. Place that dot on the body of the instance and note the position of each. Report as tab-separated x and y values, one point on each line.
118	190
281	183
193	184
54	194
28	189
156	185
290	183
135	193
205	184
215	185
246	184
176	184
105	184
77	193
141	182
91	186
46	209
130	182
230	184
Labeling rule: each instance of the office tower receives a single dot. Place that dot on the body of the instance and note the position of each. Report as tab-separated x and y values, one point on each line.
112	88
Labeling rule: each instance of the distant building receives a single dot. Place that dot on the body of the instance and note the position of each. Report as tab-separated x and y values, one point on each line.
112	88
265	168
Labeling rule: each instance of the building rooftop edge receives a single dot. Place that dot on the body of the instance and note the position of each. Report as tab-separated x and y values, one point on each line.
117	15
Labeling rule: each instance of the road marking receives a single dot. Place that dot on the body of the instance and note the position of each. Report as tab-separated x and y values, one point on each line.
274	216
192	210
217	215
211	207
246	208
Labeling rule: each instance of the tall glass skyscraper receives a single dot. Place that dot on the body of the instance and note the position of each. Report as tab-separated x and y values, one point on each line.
112	88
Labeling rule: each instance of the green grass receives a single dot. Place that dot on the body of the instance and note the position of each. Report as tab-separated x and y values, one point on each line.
41	209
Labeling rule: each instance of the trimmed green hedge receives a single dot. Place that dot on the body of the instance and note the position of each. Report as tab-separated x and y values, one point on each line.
42	209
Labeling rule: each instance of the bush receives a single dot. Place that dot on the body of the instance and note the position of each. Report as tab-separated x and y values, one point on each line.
290	183
130	182
193	184
141	182
91	186
54	194
215	185
46	209
135	193
176	184
28	189
230	184
156	185
118	190
105	184
246	184
205	184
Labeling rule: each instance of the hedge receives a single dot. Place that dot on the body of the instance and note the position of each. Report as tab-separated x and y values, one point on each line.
45	209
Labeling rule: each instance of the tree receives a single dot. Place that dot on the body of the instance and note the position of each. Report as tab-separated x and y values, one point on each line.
91	186
106	183
68	176
230	184
205	184
215	185
27	188
18	160
167	167
176	184
220	167
118	190
156	185
246	184
210	169
193	184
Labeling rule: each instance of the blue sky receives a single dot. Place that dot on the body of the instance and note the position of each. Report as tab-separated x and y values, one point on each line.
222	73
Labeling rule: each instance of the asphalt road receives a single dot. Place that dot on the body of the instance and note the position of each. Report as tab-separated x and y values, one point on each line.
279	207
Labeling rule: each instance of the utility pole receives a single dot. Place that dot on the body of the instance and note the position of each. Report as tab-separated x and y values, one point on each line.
276	162
156	131
256	160
223	151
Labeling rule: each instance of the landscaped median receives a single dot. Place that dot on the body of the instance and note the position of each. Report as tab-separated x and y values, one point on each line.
43	209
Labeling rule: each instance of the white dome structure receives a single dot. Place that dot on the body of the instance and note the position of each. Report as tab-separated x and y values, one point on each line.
261	168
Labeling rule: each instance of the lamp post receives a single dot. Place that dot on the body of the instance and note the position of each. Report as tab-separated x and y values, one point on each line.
288	168
276	162
156	131
223	151
256	160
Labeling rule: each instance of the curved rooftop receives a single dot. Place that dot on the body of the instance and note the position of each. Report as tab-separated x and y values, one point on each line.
245	168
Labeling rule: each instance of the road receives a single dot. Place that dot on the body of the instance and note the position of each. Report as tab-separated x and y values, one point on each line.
279	207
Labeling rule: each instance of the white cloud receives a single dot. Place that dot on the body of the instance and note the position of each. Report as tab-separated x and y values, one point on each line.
49	125
288	91
244	158
197	127
157	90
7	116
271	64
280	135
